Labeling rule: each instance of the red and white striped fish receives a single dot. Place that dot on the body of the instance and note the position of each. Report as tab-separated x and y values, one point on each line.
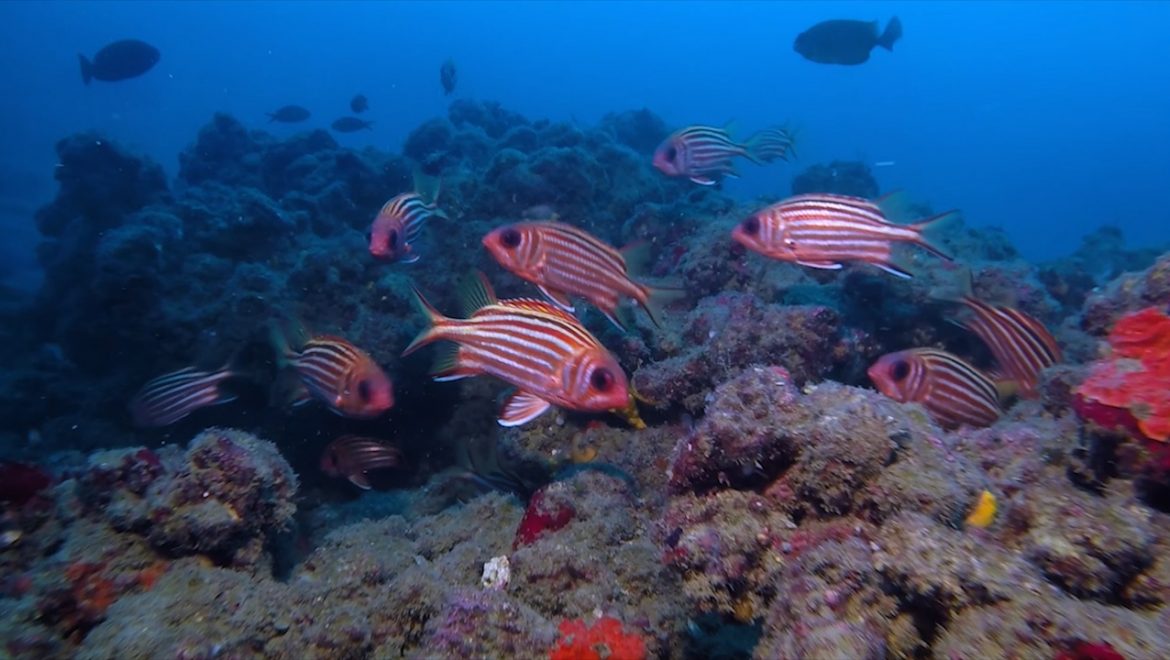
951	390
352	456
701	153
339	374
564	261
168	398
772	144
827	231
398	225
542	350
1020	343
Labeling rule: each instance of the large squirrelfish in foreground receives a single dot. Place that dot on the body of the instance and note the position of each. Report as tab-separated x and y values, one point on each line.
951	390
564	261
542	350
827	231
337	373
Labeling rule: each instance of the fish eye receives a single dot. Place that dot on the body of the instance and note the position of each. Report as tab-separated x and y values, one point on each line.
671	153
392	239
363	390
510	238
900	369
601	379
751	226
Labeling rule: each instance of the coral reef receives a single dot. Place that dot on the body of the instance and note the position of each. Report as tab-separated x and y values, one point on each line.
766	504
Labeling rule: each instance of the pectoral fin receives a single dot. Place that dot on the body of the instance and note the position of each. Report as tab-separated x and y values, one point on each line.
522	407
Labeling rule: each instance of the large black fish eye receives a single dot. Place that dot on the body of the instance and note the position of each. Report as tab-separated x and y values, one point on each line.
601	379
392	239
671	153
363	390
510	238
751	226
900	370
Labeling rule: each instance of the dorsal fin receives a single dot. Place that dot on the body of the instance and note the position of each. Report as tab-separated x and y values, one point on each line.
475	292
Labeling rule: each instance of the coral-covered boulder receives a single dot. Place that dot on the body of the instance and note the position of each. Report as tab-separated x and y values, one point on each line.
224	497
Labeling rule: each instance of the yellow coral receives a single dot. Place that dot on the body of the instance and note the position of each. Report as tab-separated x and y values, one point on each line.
984	511
630	412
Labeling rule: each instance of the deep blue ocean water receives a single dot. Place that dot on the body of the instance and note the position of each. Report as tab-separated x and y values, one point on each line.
1047	118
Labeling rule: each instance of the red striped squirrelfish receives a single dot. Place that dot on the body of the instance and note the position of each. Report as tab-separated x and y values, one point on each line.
826	231
701	153
336	372
564	261
770	144
951	390
1020	343
542	350
352	456
398	226
170	397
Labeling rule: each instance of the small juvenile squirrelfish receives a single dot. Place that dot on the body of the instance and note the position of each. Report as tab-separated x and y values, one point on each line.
352	456
172	396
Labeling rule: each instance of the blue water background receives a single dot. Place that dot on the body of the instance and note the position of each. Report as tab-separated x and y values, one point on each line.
1049	118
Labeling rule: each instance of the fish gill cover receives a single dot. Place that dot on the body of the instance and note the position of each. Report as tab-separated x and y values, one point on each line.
214	446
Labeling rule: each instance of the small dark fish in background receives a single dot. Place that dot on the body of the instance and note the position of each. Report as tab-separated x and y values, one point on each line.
289	114
351	125
846	41
359	103
352	456
447	76
121	60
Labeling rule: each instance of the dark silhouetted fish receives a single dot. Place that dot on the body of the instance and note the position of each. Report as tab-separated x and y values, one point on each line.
128	58
353	456
359	103
351	125
846	41
289	114
447	76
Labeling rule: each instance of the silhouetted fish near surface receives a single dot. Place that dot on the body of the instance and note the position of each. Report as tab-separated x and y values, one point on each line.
447	76
352	456
128	58
289	114
846	41
359	103
351	125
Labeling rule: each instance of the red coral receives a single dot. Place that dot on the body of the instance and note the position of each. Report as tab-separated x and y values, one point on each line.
542	515
20	482
1083	650
605	639
1130	390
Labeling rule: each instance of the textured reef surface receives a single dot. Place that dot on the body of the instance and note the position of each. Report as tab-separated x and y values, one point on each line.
771	505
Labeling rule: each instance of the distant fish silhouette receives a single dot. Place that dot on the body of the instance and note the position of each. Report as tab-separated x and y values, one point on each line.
351	125
128	58
447	76
359	103
846	41
289	114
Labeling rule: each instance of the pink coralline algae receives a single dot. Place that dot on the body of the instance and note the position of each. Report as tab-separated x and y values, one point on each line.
222	498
